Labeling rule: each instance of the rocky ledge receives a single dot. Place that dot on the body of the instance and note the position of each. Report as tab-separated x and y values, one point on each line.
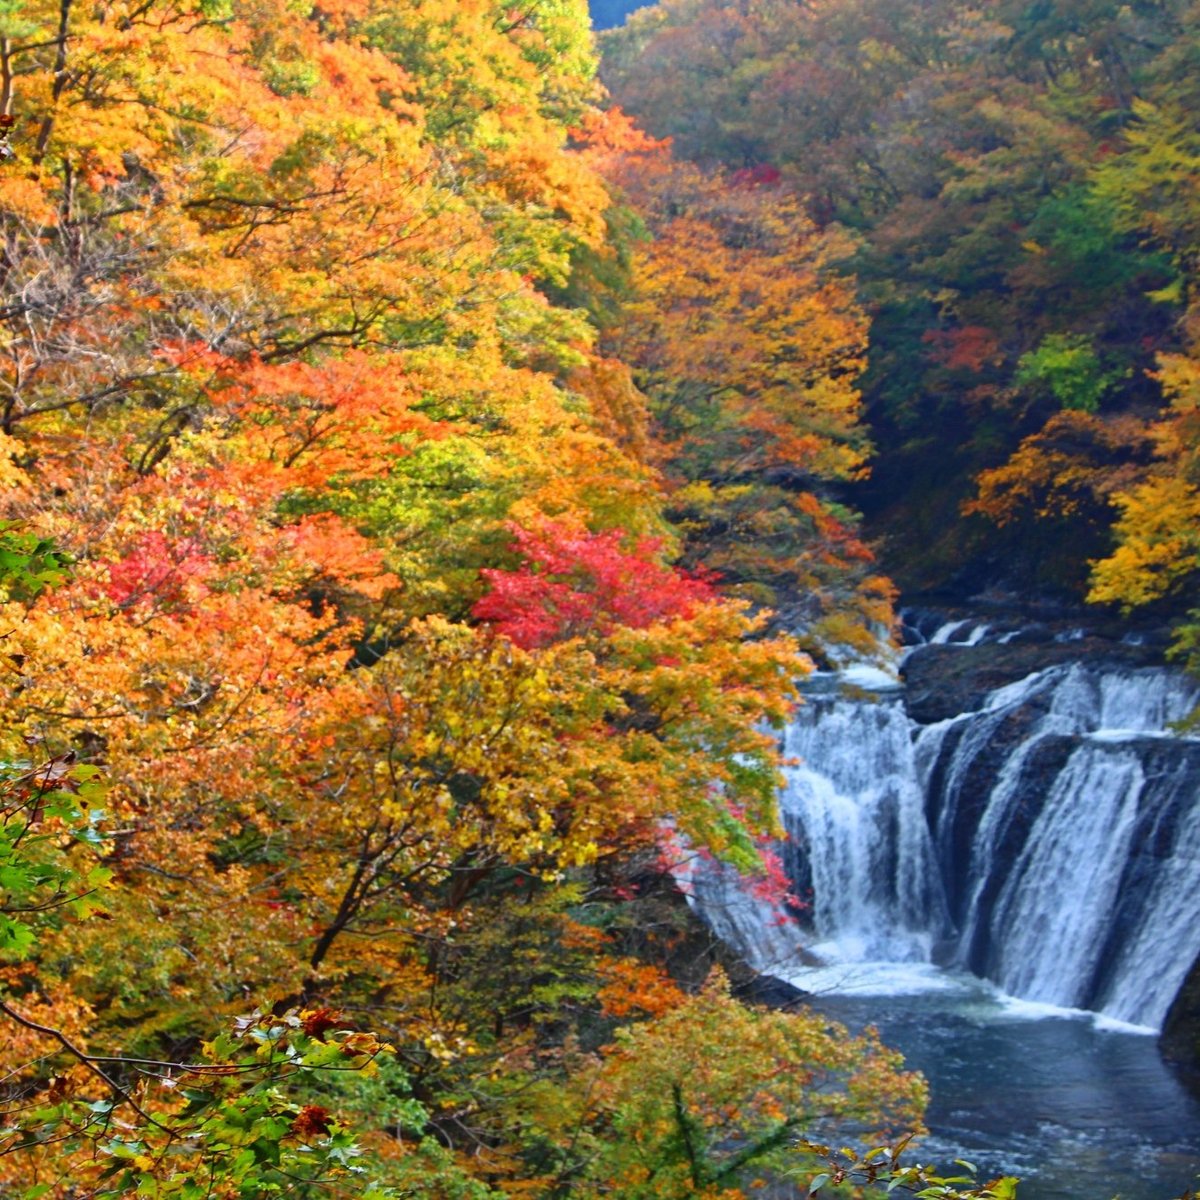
943	681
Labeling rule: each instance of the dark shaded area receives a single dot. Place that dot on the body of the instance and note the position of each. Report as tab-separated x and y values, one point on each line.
1180	1041
943	681
1018	303
658	925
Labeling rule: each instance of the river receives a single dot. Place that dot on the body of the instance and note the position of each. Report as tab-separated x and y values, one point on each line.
1077	1110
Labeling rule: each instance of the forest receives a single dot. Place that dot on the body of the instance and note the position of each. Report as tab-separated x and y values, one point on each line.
435	441
1020	189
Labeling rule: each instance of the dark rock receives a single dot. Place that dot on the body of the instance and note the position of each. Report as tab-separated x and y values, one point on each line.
770	992
1034	635
943	681
1173	778
1038	773
1180	1040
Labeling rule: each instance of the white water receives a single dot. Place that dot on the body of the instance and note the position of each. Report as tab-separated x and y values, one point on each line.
764	939
1144	977
1050	920
854	809
1060	858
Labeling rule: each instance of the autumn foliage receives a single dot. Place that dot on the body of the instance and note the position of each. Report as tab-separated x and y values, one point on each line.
573	583
360	636
1019	183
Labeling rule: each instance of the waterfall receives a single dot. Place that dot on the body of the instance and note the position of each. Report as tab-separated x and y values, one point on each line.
854	814
1149	963
754	928
1048	926
1048	840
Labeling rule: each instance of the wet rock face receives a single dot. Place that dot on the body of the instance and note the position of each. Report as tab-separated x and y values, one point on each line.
1042	768
1180	1041
944	681
1180	1038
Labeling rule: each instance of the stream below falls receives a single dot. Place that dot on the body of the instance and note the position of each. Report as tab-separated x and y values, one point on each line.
1077	1110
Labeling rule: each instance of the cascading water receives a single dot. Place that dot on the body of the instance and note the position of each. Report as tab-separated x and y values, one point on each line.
1048	839
1017	836
1060	807
1047	929
859	847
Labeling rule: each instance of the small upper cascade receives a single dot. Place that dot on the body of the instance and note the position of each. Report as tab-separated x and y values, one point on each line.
946	634
923	628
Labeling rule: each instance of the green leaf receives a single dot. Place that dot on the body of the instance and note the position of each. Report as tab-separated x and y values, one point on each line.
15	937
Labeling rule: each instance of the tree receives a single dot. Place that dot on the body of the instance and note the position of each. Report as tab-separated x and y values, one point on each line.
574	583
1157	553
748	345
163	1128
374	626
964	149
682	1106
